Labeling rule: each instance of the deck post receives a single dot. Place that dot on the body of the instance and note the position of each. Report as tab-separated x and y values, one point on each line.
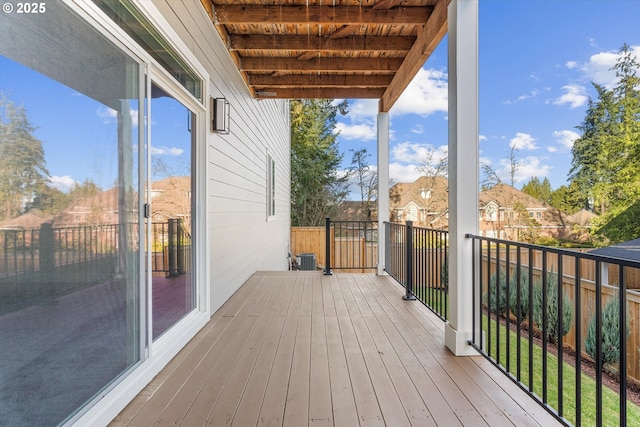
463	170
383	186
408	252
327	247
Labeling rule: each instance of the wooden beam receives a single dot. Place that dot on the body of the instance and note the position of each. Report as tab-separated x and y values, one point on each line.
429	37
344	31
387	4
325	80
329	64
316	43
336	15
318	93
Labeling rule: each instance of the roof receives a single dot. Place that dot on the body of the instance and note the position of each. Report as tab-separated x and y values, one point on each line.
629	250
583	217
403	193
347	49
29	220
506	195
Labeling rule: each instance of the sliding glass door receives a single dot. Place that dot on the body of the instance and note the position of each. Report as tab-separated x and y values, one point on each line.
170	199
70	259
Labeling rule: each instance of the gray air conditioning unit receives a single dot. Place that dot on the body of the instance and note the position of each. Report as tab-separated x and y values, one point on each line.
306	261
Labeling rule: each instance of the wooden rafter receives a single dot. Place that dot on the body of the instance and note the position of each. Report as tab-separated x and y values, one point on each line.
428	39
319	92
315	43
324	80
341	49
336	15
381	65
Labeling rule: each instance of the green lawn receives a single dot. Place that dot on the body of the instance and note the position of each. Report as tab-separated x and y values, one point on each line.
610	398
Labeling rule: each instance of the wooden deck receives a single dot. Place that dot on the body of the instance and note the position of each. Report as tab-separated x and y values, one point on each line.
302	349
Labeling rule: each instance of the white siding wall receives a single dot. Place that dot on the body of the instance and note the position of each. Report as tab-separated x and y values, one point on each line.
241	240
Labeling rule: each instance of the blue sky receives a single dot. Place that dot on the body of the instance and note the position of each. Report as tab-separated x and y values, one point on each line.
537	61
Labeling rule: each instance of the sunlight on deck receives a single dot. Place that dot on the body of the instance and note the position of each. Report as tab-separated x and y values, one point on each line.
301	348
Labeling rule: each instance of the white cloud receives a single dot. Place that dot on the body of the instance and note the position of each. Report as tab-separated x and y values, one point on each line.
598	68
363	110
523	141
552	149
109	115
426	94
528	167
364	131
571	64
531	94
566	138
416	154
168	151
417	129
403	172
62	183
575	96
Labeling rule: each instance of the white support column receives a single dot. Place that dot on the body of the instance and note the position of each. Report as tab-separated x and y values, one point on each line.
383	186
463	169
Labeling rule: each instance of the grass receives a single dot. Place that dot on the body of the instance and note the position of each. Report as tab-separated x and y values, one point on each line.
554	391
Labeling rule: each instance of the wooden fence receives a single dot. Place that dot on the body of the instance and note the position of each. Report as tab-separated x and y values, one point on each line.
587	295
309	240
345	251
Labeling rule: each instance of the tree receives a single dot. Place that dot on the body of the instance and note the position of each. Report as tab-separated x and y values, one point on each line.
366	180
22	162
606	157
48	200
537	189
491	177
569	199
86	190
317	186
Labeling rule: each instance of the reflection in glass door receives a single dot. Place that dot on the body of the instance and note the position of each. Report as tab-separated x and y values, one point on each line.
172	126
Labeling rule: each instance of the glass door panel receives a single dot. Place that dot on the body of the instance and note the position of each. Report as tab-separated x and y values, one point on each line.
172	284
69	218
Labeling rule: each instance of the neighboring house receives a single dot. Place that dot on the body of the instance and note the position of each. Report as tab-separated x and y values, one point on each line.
508	213
100	209
28	221
352	210
424	201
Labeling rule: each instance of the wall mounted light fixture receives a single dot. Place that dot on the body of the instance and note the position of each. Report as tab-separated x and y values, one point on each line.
220	115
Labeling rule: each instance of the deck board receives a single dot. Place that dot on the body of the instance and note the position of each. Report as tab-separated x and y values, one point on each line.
301	348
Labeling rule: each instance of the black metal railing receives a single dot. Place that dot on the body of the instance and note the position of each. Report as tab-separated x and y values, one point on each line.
171	243
351	245
544	316
417	258
46	248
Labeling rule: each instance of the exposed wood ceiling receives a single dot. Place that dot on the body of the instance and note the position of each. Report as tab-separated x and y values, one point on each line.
331	49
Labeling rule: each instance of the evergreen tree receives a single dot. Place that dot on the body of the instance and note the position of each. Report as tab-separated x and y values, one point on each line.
317	186
569	199
539	190
606	157
22	162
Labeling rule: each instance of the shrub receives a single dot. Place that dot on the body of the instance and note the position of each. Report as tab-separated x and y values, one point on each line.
610	334
552	308
501	305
